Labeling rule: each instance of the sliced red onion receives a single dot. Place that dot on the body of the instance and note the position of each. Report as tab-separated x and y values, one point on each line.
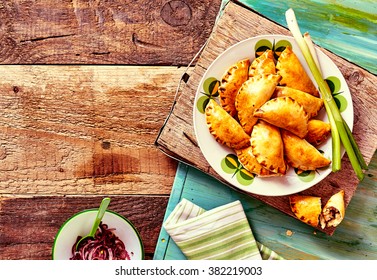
105	246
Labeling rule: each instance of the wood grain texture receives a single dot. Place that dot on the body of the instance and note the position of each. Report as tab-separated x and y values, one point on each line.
84	129
104	32
361	84
29	224
71	134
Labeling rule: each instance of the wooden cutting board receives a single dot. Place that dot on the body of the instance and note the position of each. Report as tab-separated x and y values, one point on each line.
236	23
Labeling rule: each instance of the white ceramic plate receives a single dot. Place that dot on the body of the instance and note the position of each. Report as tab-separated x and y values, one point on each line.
81	223
223	160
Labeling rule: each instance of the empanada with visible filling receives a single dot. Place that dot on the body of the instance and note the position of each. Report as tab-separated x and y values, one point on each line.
306	208
312	105
264	64
334	210
267	147
293	73
318	132
254	93
300	154
231	82
248	160
286	113
226	130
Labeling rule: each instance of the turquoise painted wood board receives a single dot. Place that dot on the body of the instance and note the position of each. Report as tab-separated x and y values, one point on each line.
348	28
355	238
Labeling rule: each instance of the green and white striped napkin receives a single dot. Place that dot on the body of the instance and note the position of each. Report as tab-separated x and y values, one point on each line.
222	233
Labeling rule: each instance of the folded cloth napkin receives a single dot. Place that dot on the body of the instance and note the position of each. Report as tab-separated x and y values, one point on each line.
222	233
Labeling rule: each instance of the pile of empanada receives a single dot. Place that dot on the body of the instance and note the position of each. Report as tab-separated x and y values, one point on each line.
267	115
309	209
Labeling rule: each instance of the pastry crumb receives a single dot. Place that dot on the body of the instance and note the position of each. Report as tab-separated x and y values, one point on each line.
289	232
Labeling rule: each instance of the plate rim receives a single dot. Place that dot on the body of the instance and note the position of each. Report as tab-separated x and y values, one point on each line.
205	75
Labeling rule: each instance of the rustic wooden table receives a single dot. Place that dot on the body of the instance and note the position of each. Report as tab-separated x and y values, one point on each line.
85	87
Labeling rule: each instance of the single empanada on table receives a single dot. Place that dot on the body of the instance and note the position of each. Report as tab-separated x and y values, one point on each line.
248	160
334	210
254	93
231	82
286	113
226	130
306	208
293	73
301	154
267	147
312	105
264	64
318	132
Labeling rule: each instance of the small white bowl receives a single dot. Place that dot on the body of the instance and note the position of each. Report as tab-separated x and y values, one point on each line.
81	223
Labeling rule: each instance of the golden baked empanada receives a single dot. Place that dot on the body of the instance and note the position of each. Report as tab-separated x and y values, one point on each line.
267	147
248	160
300	154
231	82
285	112
318	132
334	210
264	64
254	93
293	73
312	105
306	208
225	128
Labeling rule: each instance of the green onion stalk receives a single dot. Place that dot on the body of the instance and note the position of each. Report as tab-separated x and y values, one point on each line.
340	131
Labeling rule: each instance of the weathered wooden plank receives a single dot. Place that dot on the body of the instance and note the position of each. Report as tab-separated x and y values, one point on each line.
96	32
29	224
180	124
84	129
